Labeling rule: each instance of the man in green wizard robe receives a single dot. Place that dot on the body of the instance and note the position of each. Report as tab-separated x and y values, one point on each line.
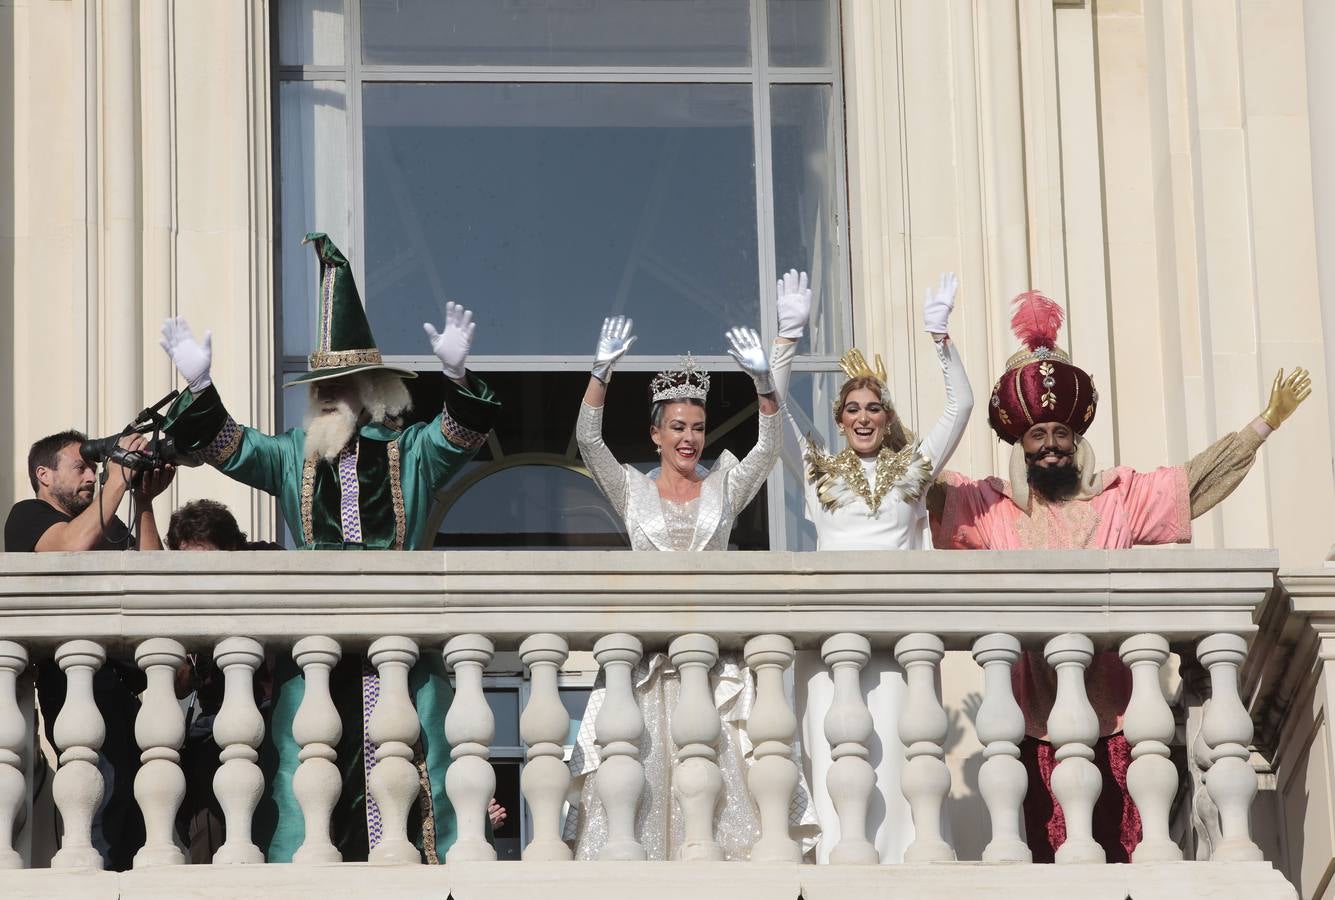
352	479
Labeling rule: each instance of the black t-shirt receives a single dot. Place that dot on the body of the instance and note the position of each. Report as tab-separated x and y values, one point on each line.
29	520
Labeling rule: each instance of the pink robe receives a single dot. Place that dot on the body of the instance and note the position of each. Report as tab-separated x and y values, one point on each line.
1129	508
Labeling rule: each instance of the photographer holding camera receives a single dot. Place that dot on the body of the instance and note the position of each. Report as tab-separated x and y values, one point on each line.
67	514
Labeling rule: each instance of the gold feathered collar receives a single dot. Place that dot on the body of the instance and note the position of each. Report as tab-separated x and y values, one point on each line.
905	470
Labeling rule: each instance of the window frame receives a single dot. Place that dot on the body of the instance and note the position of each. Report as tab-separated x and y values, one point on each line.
759	74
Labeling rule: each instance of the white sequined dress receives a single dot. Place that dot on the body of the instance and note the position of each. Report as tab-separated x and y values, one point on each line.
654	523
899	522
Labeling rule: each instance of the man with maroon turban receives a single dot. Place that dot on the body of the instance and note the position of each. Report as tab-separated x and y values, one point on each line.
1057	499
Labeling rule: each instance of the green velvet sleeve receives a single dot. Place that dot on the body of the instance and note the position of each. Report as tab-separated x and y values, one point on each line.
448	441
201	426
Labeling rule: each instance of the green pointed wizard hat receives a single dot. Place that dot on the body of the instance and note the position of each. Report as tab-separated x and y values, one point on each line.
345	344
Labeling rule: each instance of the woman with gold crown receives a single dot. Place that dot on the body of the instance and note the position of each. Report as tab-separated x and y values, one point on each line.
681	506
869	496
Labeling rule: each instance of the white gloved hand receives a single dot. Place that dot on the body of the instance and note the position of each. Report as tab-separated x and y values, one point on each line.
750	355
937	304
613	342
794	304
451	345
191	358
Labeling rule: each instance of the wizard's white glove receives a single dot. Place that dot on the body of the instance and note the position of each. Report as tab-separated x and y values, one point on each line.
750	355
451	345
613	342
794	304
938	304
191	358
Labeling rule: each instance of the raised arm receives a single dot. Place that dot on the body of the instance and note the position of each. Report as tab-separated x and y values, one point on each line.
945	435
793	299
1216	471
613	342
745	480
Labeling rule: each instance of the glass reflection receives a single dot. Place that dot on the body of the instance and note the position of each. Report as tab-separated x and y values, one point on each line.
799	33
556	32
313	186
545	207
807	231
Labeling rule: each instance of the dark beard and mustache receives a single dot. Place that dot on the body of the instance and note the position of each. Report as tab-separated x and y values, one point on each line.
1053	483
72	502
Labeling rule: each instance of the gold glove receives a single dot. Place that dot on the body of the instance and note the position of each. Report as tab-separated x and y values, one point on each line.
1285	395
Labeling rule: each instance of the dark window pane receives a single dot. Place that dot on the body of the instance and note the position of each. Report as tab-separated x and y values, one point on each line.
556	32
799	33
508	837
807	231
504	703
546	500
546	207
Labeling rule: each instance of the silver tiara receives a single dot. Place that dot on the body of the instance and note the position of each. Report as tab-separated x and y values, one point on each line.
686	383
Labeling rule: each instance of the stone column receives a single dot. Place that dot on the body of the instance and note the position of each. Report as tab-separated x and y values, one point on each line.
773	776
544	726
697	781
14	739
1227	731
848	727
79	732
1002	780
1073	728
617	729
238	730
159	729
317	782
470	726
1149	727
393	729
922	729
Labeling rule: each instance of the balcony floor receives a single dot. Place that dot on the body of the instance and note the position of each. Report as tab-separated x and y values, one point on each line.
661	881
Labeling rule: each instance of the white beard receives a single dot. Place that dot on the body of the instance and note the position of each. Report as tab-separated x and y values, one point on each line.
327	433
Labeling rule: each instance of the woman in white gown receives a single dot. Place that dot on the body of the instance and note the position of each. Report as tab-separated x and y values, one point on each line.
680	506
870	496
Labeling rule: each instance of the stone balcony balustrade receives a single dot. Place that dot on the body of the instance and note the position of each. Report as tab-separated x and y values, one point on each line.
152	608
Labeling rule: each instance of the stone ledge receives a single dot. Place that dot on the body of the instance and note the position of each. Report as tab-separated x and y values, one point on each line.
661	881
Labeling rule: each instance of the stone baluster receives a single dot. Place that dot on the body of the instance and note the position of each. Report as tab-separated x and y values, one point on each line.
1073	728
696	781
238	730
1149	726
393	729
470	726
772	778
13	751
617	728
544	726
79	732
922	729
848	727
316	727
1002	780
1227	730
159	729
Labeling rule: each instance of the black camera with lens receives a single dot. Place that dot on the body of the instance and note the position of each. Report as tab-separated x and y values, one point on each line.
161	450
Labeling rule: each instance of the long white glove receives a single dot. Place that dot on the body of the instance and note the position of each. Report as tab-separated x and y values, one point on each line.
613	342
191	358
451	345
794	304
937	304
750	355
